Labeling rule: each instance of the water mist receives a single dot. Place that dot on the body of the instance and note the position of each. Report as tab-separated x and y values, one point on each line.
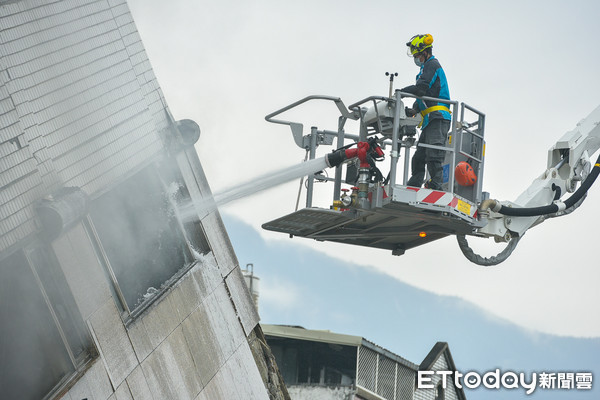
255	185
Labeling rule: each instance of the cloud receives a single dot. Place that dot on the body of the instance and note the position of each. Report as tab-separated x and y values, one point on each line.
279	294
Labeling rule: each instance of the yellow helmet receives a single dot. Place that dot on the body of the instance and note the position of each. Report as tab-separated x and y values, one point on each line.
418	43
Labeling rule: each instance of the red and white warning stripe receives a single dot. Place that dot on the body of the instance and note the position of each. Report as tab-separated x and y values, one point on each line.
436	197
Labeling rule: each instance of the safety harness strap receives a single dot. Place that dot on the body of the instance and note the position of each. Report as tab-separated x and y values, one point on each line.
432	109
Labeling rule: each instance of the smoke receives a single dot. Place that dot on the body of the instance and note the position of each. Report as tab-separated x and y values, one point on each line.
32	356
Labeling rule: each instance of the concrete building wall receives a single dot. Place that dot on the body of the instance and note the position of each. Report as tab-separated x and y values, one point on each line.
189	345
80	107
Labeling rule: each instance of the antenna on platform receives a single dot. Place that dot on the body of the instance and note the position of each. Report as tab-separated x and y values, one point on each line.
391	75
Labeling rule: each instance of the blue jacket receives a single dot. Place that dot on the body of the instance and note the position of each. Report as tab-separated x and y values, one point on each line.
431	82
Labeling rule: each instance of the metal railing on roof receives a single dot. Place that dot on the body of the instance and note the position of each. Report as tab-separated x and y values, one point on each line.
379	374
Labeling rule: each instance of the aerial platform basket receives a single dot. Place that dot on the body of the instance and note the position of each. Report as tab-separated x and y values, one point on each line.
381	212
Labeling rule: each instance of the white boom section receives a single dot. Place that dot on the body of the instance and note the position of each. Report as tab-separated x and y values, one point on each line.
568	164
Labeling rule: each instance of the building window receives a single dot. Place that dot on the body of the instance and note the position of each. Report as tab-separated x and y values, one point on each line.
439	392
142	240
180	197
314	363
43	340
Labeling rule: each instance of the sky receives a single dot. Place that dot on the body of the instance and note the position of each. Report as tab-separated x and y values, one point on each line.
530	66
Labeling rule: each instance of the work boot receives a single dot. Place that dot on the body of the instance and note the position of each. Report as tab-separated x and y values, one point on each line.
432	185
435	171
415	181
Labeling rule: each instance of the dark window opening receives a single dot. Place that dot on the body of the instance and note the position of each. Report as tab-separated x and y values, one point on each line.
43	340
304	362
439	392
178	192
138	229
63	303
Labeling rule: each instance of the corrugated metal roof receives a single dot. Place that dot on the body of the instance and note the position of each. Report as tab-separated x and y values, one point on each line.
324	336
299	333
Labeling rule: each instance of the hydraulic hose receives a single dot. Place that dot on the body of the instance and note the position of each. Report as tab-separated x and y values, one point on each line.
549	211
551	208
567	210
486	261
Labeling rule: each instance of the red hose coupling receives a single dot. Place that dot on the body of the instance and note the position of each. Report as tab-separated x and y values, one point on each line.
361	152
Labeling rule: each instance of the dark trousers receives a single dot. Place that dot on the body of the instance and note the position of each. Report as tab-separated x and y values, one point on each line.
435	133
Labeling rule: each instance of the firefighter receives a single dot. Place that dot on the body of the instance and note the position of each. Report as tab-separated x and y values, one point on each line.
431	82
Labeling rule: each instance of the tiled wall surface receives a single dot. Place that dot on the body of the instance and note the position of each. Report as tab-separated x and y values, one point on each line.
79	103
80	106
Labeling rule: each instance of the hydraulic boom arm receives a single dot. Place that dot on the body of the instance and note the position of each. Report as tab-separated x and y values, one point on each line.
568	164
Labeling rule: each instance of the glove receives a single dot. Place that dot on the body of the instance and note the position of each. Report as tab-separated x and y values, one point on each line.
410	112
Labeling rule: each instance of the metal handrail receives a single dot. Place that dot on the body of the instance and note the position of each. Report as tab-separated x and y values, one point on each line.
338	102
370	98
426	98
296	127
466	129
356	111
477	135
